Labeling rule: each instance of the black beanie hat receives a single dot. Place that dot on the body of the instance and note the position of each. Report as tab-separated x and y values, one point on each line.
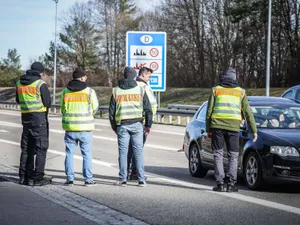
78	72
38	67
129	73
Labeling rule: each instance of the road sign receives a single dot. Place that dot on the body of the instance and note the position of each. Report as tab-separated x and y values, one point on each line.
148	49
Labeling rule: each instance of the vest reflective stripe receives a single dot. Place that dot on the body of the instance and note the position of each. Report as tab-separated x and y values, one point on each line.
29	96
77	112
78	122
227	111
150	95
227	103
129	103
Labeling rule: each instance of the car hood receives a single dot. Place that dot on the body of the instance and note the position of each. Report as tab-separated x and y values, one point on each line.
280	137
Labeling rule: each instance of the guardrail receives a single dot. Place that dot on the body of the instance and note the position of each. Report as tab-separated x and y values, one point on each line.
174	114
184	107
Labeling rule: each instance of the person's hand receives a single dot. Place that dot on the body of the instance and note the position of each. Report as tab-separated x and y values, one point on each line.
254	137
147	130
209	134
292	125
274	123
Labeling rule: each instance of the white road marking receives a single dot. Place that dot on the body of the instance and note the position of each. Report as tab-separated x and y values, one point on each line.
4	131
114	139
206	188
167	132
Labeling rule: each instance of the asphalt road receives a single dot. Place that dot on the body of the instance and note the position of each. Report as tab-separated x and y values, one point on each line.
172	196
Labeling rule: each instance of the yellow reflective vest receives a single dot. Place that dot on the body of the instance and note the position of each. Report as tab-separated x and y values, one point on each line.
227	103
150	95
78	109
29	96
129	103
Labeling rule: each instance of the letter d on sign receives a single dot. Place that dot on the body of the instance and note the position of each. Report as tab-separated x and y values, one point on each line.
146	39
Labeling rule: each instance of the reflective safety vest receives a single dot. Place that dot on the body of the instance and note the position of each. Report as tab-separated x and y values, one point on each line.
29	96
129	103
77	111
150	95
227	103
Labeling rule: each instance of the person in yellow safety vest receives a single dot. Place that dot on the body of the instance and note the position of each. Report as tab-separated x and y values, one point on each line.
129	104
142	80
224	113
78	105
34	98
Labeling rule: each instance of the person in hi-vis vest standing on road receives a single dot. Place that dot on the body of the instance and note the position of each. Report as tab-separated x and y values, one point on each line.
142	80
34	98
78	105
128	104
223	117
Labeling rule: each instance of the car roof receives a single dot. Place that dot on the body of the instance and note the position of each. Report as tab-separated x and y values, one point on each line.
294	87
270	101
291	89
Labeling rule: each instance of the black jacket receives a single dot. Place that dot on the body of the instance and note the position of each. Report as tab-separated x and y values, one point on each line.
147	111
35	118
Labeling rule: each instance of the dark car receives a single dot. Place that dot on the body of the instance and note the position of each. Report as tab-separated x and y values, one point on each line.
292	93
274	155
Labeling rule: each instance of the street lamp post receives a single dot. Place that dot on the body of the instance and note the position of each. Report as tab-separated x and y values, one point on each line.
268	50
54	76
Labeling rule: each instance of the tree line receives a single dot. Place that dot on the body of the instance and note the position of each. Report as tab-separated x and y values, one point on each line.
204	37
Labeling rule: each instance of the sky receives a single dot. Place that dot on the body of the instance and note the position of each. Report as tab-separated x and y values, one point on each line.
29	25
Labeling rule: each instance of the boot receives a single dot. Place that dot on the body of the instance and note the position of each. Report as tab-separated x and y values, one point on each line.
219	188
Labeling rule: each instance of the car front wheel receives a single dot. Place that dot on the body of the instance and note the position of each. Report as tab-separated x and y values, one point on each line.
253	172
195	165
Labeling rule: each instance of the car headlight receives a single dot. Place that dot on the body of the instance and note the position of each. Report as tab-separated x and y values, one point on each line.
284	151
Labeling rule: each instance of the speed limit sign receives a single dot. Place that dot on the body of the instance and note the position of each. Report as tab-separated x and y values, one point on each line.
154	52
154	66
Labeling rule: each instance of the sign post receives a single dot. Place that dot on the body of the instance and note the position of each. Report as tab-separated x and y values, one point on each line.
149	49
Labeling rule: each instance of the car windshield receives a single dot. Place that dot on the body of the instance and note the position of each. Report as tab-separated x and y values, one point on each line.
276	117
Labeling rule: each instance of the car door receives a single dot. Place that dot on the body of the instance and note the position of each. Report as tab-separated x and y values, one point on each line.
205	141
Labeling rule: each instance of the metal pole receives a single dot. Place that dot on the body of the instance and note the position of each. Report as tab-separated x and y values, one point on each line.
268	50
54	76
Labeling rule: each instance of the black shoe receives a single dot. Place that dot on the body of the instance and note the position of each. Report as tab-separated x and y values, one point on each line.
121	183
42	182
142	184
23	180
219	188
90	183
69	183
232	188
30	182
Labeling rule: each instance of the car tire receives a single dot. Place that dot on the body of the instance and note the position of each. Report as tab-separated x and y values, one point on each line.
195	165
253	172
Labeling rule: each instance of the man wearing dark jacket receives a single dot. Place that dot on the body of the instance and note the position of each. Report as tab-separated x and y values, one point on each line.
128	104
142	80
34	98
224	113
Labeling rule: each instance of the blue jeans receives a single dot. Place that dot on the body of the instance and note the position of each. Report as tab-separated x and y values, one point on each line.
84	139
133	132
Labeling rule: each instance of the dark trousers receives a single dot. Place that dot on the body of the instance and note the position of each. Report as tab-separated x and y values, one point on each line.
34	142
231	139
131	164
